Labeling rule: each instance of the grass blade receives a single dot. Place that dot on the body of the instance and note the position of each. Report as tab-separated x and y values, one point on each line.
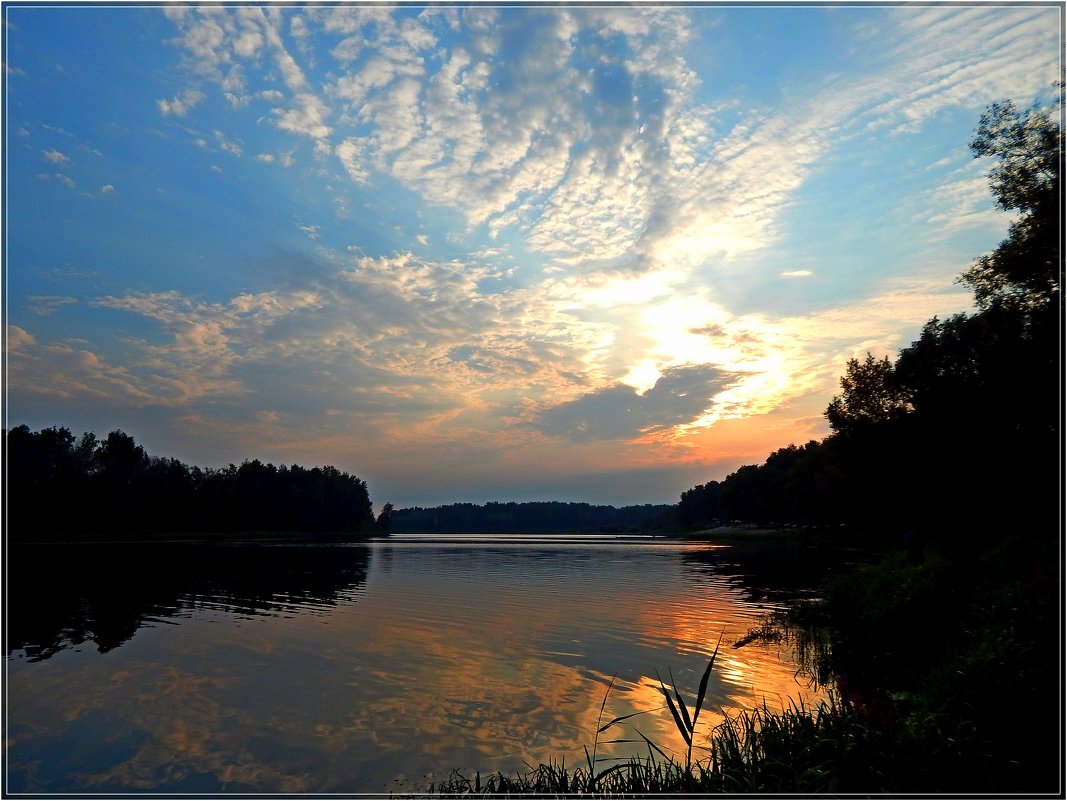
620	719
607	771
702	690
657	748
674	711
681	703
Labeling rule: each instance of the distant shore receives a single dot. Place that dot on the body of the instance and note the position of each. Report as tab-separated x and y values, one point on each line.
739	533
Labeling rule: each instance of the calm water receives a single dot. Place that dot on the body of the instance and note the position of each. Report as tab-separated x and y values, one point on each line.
368	668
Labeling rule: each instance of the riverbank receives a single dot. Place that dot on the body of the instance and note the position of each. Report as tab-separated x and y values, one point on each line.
934	653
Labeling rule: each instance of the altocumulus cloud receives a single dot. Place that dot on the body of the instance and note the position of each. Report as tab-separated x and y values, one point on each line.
616	232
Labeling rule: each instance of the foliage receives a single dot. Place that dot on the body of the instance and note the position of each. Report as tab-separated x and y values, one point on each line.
62	487
931	741
384	519
1026	269
950	458
960	435
947	648
701	505
870	395
930	660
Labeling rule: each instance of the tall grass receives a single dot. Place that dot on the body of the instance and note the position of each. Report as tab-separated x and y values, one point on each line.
793	750
943	673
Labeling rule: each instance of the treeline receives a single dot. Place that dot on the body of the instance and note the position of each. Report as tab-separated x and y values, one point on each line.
60	486
962	431
949	459
530	517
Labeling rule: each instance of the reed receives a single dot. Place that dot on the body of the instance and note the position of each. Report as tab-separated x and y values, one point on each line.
758	751
931	660
754	751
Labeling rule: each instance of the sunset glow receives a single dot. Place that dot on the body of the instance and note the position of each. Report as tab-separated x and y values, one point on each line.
475	253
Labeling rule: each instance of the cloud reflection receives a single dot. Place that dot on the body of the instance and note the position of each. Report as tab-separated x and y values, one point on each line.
469	656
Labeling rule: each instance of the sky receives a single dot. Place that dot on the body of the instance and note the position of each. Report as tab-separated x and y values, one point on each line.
480	252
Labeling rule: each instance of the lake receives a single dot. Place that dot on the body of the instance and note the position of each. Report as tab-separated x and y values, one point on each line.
375	667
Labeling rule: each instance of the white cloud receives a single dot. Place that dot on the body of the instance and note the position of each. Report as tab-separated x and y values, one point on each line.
55	157
180	105
48	304
586	135
226	145
307	117
349	152
962	201
964	56
248	43
66	180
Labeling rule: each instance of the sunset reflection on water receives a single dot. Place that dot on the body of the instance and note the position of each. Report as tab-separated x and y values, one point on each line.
425	657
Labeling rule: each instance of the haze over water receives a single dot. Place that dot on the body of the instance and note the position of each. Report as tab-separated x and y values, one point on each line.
368	668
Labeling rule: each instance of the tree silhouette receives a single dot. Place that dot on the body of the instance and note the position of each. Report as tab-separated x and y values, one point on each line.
384	518
870	395
55	479
961	434
1025	269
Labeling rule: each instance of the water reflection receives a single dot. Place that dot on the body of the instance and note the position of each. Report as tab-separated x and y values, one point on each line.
769	569
462	654
61	596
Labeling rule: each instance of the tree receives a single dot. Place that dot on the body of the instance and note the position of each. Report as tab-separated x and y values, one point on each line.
701	504
383	518
870	395
1026	269
121	457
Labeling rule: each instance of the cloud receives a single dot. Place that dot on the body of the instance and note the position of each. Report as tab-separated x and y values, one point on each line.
307	117
965	56
233	148
180	105
961	201
591	139
66	180
681	395
68	371
350	154
630	207
48	304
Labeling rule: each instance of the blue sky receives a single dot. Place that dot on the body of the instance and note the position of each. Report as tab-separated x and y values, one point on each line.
476	252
